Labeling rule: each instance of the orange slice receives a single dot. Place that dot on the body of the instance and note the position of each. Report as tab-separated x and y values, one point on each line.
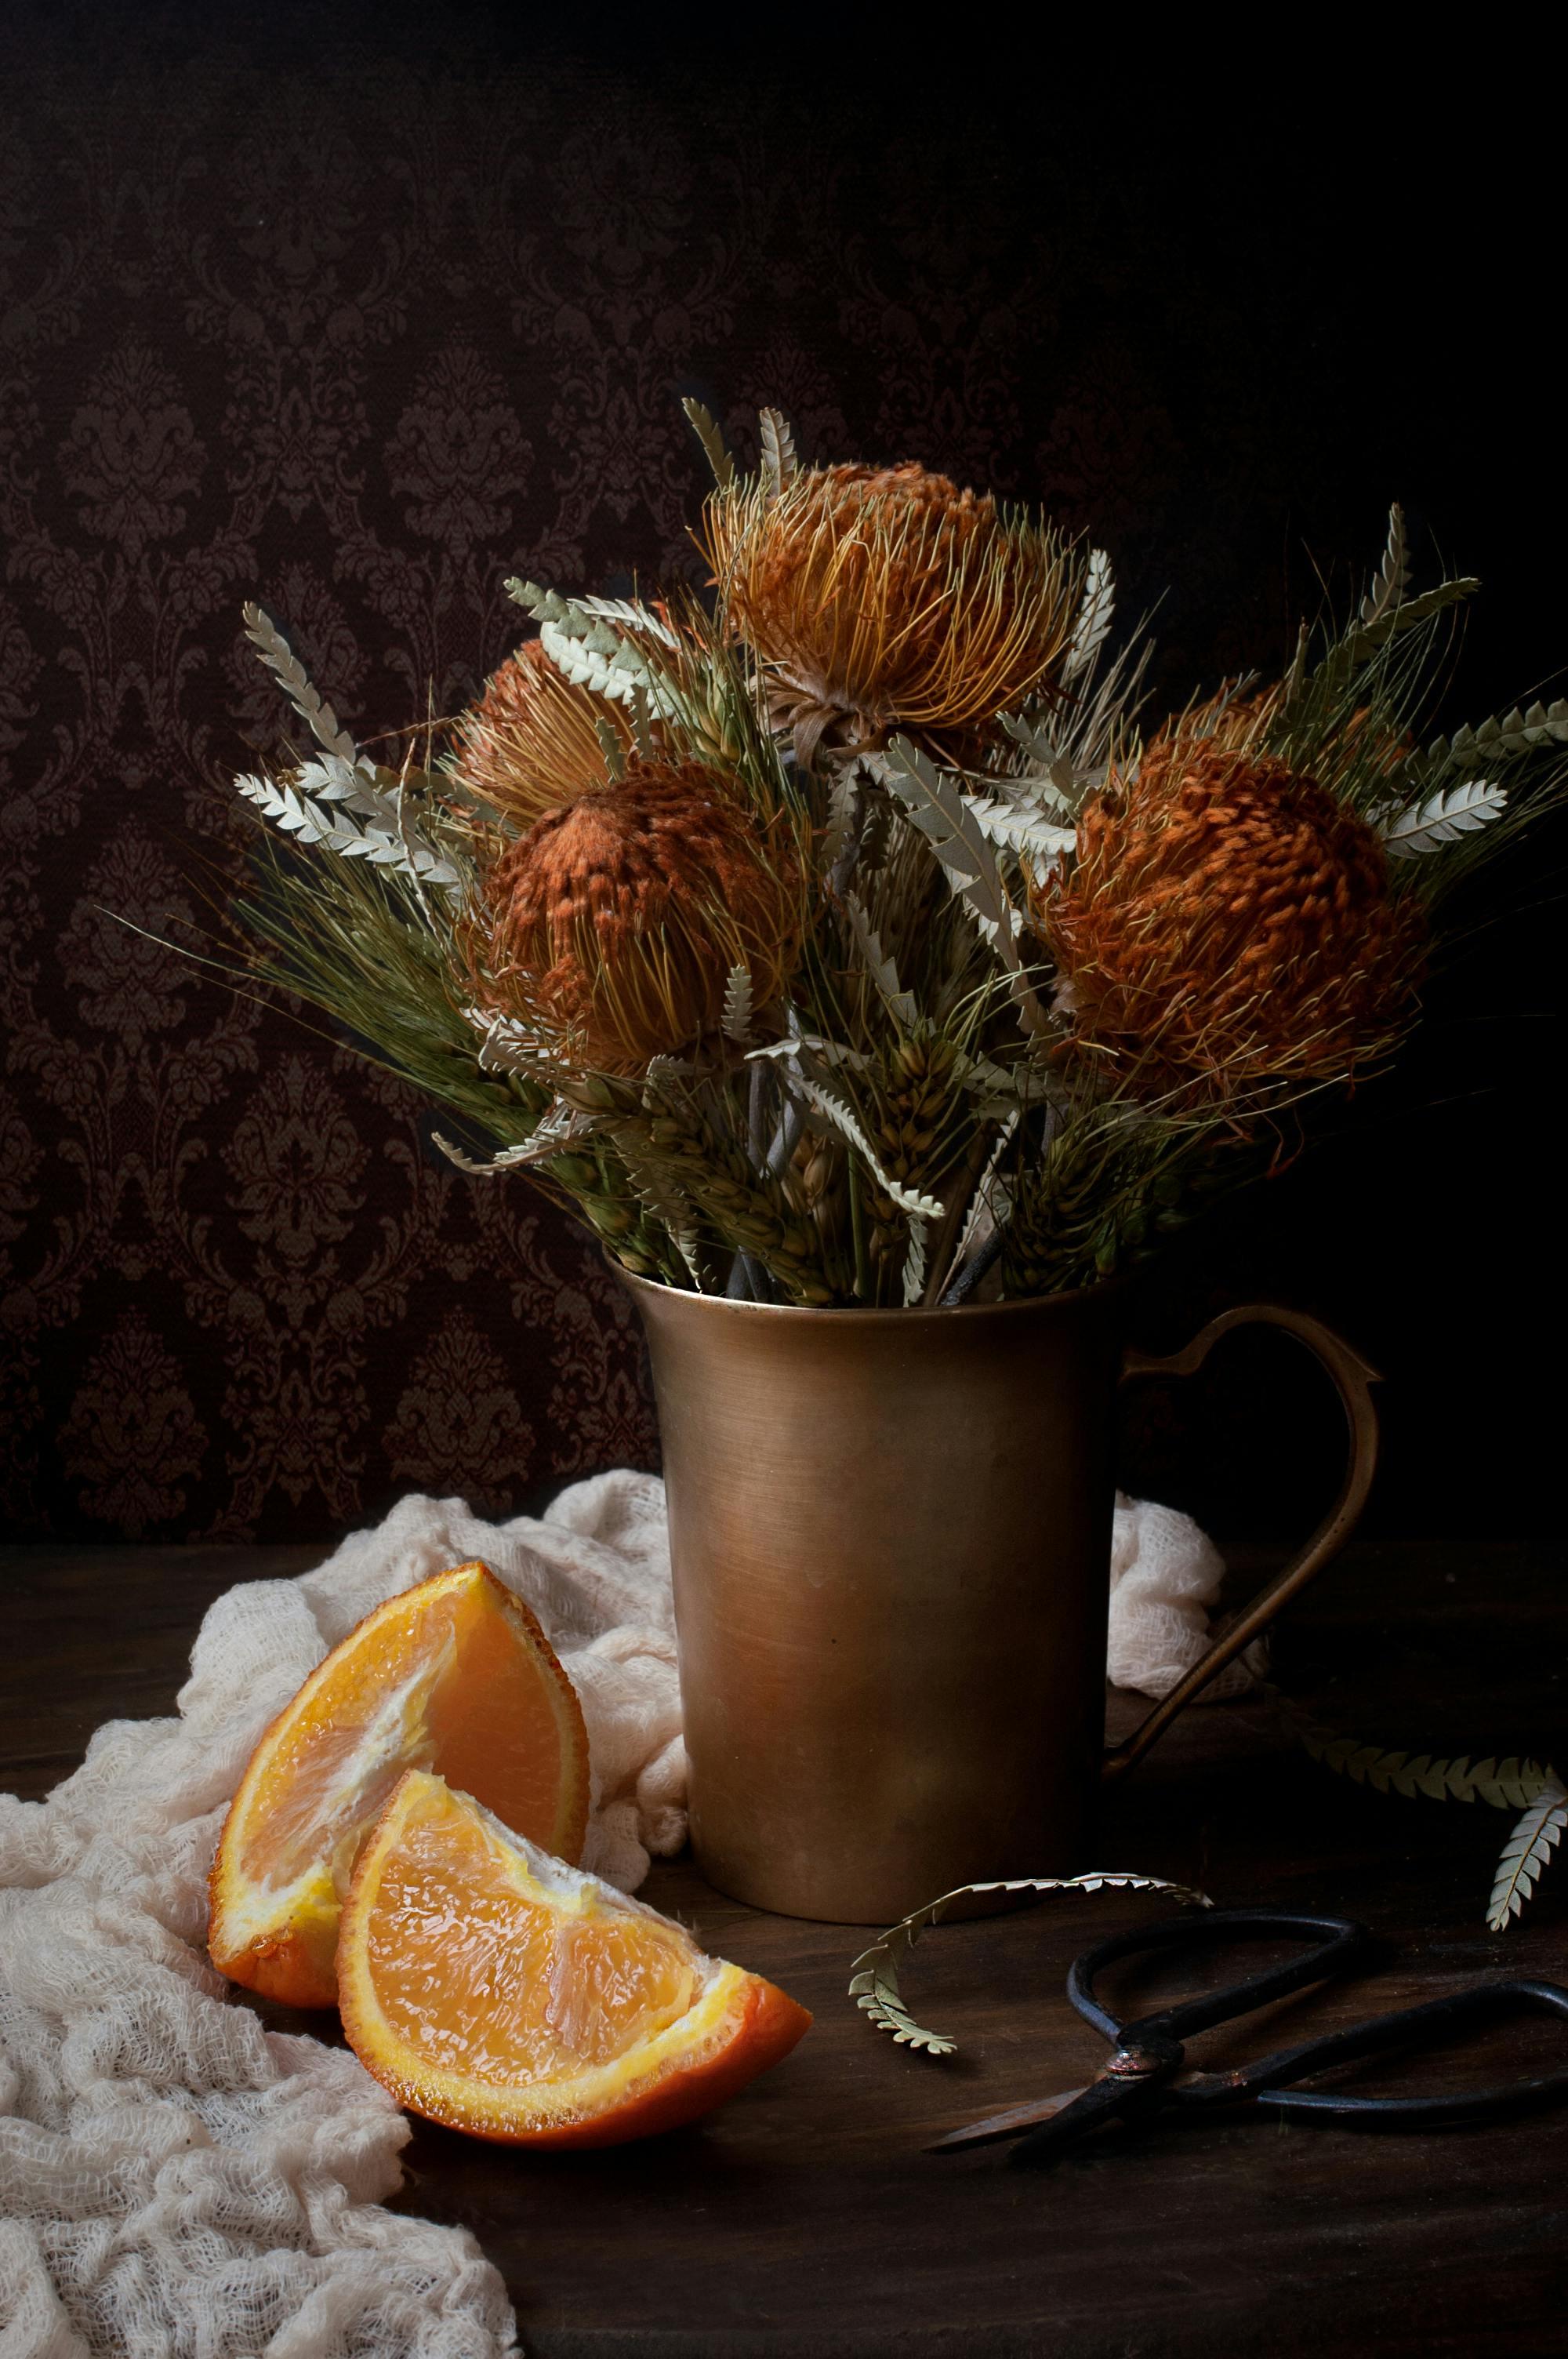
454	1674
503	1993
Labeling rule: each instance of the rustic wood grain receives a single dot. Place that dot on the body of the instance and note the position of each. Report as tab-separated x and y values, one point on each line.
806	2221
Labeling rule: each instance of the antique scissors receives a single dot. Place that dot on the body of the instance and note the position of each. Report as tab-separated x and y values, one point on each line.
1146	2073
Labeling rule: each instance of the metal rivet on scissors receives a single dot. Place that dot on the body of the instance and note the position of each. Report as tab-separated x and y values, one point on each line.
1140	2080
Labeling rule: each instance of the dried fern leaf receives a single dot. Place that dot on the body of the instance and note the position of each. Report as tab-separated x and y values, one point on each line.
812	1045
1001	1094
844	799
838	1116
915	1261
1295	679
874	1983
1390	581
1094	618
631	613
1442	818
936	807
642	724
612	747
990	1203
669	1207
899	1002
1508	1785
780	463
1505	736
1016	827
308	808
1055	779
598	644
705	428
290	674
662	1071
457	791
1527	1854
555	1134
505	1046
736	1019
1363	640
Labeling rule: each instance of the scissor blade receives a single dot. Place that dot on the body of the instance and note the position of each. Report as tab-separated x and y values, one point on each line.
1004	2125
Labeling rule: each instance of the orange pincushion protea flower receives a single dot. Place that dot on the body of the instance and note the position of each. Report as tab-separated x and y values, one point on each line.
530	744
618	920
882	599
1230	924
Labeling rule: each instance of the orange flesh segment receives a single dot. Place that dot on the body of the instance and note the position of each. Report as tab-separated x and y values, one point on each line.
488	1978
496	1990
454	1674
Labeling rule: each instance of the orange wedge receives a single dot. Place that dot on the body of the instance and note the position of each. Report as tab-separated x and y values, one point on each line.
503	1993
454	1675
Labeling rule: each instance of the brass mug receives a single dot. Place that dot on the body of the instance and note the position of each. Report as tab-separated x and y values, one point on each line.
891	1536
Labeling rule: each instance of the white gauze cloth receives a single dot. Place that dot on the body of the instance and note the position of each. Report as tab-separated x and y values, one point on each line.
177	2183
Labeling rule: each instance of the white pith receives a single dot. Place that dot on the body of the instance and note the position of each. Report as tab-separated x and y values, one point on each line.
396	1735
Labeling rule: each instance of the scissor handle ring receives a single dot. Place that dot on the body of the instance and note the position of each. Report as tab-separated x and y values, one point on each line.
1337	1939
1411	2027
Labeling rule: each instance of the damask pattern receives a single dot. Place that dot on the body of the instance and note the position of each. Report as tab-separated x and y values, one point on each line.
362	339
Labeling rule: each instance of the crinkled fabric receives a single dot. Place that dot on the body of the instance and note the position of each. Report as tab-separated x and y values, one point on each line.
1164	1575
177	2183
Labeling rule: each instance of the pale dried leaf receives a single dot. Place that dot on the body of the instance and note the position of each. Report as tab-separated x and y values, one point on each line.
1504	737
291	675
780	461
914	1261
736	1019
1019	827
1392	576
1094	616
1442	818
844	799
395	844
838	1116
874	1985
612	747
827	1053
705	428
936	807
641	724
1527	1854
900	1004
547	1141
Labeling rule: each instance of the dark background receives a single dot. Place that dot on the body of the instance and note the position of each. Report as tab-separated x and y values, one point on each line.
362	323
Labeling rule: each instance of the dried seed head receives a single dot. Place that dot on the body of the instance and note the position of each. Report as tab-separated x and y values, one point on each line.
616	921
1230	924
882	599
532	741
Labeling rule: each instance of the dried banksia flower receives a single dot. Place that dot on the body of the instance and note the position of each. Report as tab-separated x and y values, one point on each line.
1363	740
885	599
1230	722
532	741
1229	925
617	922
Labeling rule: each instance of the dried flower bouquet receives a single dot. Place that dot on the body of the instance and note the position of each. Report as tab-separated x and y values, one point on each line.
853	938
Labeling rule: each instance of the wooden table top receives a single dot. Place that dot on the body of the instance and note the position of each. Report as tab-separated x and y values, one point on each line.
804	2220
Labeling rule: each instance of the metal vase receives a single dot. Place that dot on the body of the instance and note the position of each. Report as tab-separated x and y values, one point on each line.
891	1536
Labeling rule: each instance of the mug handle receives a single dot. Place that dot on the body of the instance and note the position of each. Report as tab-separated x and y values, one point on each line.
1353	1379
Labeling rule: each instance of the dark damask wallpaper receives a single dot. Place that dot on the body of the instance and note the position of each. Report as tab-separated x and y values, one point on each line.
363	327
